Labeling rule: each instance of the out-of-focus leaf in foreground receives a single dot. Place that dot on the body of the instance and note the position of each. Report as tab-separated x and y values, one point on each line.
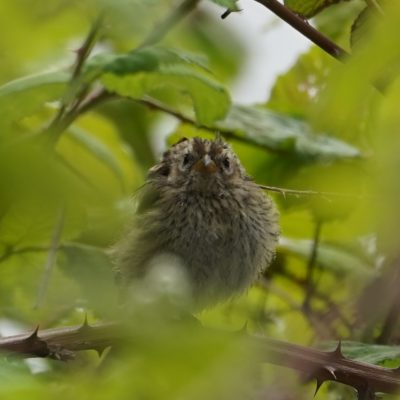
24	96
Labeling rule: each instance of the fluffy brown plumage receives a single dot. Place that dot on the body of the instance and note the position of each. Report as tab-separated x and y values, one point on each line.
200	206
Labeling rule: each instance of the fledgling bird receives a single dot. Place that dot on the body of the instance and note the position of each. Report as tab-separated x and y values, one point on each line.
200	206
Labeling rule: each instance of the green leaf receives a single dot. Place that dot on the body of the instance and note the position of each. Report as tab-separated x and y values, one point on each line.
229	4
146	59
368	353
362	27
309	8
329	256
24	96
284	134
210	100
156	70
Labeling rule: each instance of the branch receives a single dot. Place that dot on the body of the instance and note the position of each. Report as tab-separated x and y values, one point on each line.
305	29
60	343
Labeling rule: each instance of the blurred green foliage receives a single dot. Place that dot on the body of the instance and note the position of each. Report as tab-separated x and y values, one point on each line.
327	127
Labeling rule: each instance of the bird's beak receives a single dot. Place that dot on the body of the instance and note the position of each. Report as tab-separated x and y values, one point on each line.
205	165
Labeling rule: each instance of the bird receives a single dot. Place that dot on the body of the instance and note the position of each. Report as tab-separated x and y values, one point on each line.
202	210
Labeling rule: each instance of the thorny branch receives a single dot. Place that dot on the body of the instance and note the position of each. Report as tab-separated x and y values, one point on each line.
61	343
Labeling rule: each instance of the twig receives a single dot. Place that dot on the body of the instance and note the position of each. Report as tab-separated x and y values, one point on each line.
305	29
51	258
60	343
297	193
84	51
67	110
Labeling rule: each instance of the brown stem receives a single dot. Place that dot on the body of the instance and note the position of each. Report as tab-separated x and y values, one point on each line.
305	28
60	343
84	51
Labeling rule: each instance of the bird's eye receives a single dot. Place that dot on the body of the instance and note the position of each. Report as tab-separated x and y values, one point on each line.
226	163
187	159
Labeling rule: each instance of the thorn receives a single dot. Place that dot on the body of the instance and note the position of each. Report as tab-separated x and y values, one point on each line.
100	350
319	384
338	351
34	335
85	325
331	372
